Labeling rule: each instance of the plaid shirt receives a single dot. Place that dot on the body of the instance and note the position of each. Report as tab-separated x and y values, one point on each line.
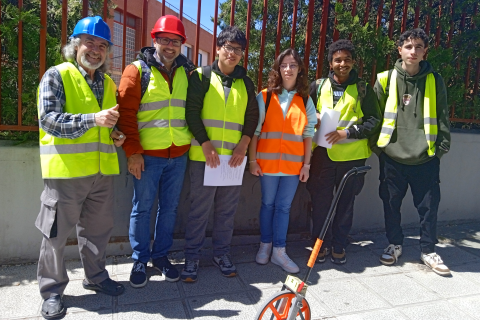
53	120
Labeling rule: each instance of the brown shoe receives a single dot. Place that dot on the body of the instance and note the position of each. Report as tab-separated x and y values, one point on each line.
322	254
339	258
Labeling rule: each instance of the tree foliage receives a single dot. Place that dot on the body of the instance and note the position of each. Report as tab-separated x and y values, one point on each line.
374	46
9	33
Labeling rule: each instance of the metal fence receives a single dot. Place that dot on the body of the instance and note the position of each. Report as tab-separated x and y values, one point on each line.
433	12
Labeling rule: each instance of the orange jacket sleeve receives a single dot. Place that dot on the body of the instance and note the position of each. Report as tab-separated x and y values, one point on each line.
129	96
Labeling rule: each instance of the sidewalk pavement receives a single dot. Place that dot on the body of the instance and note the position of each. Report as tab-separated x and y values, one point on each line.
360	289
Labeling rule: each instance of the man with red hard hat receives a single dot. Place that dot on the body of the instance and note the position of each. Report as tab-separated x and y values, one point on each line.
77	109
152	95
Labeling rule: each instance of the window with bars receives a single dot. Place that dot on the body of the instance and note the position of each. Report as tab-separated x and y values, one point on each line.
130	43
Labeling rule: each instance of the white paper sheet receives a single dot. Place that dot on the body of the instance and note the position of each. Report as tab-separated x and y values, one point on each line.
329	122
224	175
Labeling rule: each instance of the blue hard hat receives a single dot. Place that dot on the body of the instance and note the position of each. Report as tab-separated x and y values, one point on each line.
94	26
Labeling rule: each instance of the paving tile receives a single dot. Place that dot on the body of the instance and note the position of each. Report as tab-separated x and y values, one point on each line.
367	264
261	276
78	299
469	271
373	315
157	289
399	289
75	268
15	275
211	281
448	287
469	305
101	315
317	308
434	311
325	271
472	246
122	265
453	255
233	306
242	254
19	301
346	295
152	311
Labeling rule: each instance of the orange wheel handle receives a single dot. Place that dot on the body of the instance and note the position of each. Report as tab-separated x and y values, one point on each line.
314	254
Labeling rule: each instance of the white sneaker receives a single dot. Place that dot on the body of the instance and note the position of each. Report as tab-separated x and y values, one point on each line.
433	261
264	252
391	254
280	258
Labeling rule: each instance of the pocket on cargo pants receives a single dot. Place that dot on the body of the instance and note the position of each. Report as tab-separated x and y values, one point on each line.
47	217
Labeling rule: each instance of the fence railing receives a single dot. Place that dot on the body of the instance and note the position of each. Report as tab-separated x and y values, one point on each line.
312	26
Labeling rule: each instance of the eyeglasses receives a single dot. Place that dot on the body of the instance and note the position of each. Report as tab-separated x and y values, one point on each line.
166	41
292	66
231	49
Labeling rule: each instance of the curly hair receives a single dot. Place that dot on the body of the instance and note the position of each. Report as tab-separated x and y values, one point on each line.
275	78
341	45
70	53
413	34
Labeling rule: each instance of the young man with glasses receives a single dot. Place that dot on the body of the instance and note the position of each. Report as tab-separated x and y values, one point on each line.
152	96
222	114
359	121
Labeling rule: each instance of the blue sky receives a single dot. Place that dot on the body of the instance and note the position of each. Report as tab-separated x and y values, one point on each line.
190	8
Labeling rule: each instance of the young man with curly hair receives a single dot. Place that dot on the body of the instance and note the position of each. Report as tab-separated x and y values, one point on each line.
360	117
415	134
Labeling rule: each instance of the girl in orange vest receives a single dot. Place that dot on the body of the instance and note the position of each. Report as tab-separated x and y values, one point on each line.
280	152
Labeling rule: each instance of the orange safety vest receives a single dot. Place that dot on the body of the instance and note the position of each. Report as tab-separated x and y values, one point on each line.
280	146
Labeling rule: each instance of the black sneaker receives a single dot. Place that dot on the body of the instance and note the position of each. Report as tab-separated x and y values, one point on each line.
138	276
339	258
322	254
53	308
163	265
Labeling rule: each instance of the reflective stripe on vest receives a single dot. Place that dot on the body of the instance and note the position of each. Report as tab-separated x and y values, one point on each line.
280	148
93	152
223	121
161	115
390	115
350	114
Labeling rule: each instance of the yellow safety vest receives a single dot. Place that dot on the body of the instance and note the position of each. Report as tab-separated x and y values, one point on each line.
223	121
93	152
350	114
429	111
161	115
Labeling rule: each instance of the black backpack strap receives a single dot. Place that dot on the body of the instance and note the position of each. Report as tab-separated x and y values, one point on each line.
144	77
267	103
206	75
318	86
387	88
362	90
305	100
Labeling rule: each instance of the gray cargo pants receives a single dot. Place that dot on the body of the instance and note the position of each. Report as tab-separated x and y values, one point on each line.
224	201
86	203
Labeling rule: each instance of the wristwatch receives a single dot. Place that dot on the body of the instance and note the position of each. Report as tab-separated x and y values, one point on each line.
348	132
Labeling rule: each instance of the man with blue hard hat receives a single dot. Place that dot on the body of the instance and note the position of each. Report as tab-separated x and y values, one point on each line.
77	110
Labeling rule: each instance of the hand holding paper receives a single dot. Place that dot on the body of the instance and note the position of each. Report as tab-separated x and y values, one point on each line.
329	120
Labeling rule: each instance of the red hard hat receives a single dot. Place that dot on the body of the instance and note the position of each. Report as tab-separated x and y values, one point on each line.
169	24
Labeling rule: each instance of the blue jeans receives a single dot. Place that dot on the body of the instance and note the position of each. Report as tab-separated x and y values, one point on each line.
277	197
164	176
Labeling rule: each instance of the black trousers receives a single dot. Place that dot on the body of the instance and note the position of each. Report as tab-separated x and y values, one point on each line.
325	176
424	182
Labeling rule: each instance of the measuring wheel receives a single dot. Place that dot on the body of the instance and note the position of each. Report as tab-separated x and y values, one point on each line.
278	306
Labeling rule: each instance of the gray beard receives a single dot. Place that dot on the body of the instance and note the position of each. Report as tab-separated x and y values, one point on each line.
89	65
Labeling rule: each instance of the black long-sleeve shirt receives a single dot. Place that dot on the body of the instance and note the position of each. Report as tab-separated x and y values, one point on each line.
196	94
